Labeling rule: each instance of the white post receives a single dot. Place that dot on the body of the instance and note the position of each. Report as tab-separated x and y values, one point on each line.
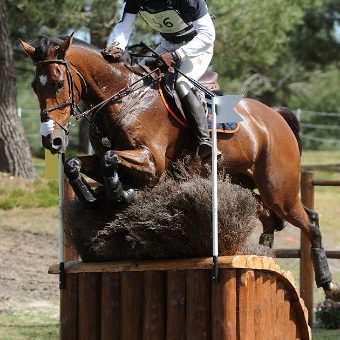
214	193
61	222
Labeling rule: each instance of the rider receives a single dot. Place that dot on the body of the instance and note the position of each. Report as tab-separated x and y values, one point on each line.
188	36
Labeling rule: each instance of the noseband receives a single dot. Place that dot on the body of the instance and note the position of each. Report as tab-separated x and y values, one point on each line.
71	102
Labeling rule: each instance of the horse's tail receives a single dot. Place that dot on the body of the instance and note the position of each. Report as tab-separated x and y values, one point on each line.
292	121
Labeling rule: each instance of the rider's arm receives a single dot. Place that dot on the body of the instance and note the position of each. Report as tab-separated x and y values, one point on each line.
121	33
202	41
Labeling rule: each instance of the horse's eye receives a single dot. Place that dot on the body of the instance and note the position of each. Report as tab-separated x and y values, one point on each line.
59	85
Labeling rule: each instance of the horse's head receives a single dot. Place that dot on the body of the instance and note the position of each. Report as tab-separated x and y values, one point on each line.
58	88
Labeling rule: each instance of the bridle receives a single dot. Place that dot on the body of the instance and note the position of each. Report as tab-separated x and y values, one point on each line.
75	110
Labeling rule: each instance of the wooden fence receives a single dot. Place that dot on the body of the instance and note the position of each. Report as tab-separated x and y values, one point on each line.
308	183
177	300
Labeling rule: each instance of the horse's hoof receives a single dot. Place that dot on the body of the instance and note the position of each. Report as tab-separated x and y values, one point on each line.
332	292
129	195
267	240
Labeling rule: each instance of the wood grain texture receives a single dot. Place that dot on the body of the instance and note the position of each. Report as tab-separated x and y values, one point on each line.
198	287
224	306
131	306
176	305
88	306
110	306
246	295
154	305
69	308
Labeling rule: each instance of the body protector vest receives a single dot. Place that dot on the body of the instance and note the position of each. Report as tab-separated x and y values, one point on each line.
165	19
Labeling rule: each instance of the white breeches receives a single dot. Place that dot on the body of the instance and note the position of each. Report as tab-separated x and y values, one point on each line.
193	66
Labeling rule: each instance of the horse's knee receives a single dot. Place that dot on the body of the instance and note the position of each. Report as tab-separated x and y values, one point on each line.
72	167
109	163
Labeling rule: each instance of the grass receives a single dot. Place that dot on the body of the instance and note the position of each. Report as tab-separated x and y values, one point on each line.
326	334
41	323
30	194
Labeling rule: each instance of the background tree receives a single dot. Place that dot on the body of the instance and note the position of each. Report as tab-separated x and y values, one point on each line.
15	157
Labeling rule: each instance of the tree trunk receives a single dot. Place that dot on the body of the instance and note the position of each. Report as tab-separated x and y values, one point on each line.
15	156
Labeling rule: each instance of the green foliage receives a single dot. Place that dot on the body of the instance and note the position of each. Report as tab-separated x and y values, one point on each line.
328	314
253	34
41	194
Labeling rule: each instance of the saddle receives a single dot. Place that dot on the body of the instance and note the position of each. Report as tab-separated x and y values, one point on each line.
172	101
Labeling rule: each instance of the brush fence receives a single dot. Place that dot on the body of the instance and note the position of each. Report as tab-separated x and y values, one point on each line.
176	299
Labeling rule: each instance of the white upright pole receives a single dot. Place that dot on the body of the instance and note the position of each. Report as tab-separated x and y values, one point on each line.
214	194
61	222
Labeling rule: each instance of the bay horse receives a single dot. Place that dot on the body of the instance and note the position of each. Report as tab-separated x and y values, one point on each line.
136	140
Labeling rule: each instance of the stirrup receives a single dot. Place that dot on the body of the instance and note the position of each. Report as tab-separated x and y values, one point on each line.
204	150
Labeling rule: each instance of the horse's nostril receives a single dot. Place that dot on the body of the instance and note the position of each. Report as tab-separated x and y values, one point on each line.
57	142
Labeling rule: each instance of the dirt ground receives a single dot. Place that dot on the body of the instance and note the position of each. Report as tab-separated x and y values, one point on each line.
28	246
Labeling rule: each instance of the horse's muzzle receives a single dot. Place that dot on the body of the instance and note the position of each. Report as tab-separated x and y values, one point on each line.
55	143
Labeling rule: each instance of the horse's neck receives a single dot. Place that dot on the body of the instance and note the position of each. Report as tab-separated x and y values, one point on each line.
103	79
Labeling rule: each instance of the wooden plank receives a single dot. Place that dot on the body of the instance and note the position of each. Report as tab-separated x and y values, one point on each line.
198	288
110	306
292	321
280	326
154	305
68	308
88	306
246	292
238	261
262	305
131	300
176	302
259	307
273	314
223	306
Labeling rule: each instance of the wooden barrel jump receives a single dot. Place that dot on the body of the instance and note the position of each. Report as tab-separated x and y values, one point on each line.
176	299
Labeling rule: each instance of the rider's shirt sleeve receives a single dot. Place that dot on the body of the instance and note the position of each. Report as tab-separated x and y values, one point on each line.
202	41
122	31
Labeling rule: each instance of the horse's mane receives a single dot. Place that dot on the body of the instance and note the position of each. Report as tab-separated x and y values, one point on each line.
44	43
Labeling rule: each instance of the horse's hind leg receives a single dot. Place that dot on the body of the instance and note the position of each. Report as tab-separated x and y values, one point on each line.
308	221
323	277
270	223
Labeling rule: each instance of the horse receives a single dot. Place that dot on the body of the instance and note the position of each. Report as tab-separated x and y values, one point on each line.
136	140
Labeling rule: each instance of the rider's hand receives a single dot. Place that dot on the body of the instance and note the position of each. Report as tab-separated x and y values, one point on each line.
112	53
170	58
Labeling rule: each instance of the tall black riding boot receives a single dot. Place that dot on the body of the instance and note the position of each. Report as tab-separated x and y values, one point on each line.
198	120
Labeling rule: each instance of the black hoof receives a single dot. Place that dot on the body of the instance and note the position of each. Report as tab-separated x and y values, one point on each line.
267	240
128	196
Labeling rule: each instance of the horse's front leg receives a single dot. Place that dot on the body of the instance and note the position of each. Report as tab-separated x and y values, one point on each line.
88	165
136	168
112	182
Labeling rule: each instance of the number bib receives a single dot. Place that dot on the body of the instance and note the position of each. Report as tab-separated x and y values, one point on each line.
168	21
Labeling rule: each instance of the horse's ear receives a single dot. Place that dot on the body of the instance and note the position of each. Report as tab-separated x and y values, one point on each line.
64	47
27	48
